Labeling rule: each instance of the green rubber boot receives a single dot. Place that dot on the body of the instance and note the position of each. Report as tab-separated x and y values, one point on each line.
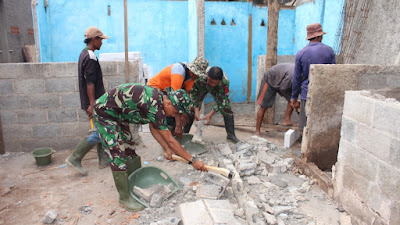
125	198
133	164
103	158
230	129
75	159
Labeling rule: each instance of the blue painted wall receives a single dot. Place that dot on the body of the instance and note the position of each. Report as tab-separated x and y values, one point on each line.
166	32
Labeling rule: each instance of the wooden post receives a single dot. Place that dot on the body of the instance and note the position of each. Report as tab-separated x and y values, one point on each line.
200	27
272	46
250	58
126	41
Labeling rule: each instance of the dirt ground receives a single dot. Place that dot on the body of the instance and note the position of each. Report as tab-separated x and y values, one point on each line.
29	191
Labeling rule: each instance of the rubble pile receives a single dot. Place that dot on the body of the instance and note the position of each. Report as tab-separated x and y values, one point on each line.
267	188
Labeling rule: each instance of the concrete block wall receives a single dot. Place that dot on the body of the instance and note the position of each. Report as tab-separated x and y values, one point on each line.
325	99
40	106
280	102
368	167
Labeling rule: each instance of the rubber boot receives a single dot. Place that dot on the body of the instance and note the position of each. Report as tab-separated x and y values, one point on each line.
75	159
133	164
103	158
122	185
230	128
188	125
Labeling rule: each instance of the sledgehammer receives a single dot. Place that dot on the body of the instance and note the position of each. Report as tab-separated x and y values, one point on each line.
224	172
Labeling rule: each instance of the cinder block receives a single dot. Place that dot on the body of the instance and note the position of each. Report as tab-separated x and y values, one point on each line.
44	101
373	141
377	202
8	117
74	129
31	117
395	154
352	181
28	145
46	131
348	129
82	116
12	145
291	136
65	143
33	70
113	81
218	204
194	213
60	85
10	70
62	115
223	217
69	69
365	166
6	87
12	102
70	100
109	67
29	86
358	107
387	118
17	131
389	181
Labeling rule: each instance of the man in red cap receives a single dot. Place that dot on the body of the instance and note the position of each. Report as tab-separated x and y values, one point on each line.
91	87
314	53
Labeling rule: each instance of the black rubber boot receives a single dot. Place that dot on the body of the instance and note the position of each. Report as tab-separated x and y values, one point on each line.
75	159
187	127
125	198
230	128
103	158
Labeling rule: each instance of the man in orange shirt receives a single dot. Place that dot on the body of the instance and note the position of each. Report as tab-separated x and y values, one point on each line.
179	76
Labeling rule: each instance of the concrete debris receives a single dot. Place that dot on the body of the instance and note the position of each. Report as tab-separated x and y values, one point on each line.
278	182
155	194
85	209
167	221
157	200
289	162
209	191
253	180
49	217
270	219
225	149
198	136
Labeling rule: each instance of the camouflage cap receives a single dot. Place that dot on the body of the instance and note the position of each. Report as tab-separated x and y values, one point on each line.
198	66
180	100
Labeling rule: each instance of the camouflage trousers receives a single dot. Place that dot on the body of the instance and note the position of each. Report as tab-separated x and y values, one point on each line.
117	141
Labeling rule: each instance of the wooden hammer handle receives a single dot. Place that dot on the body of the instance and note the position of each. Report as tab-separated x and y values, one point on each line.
222	171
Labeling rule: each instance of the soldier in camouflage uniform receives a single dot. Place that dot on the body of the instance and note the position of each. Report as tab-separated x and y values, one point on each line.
217	85
138	104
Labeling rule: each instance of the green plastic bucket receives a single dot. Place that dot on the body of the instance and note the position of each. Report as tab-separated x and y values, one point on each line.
43	156
148	176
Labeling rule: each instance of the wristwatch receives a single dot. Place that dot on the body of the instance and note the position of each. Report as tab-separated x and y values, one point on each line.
192	160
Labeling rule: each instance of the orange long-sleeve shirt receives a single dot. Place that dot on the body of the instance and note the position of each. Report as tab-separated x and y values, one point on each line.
171	76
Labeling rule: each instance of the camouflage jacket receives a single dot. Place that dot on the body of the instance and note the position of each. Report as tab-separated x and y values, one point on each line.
220	93
133	103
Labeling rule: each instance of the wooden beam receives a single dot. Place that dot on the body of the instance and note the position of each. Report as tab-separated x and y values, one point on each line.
272	46
126	41
250	59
